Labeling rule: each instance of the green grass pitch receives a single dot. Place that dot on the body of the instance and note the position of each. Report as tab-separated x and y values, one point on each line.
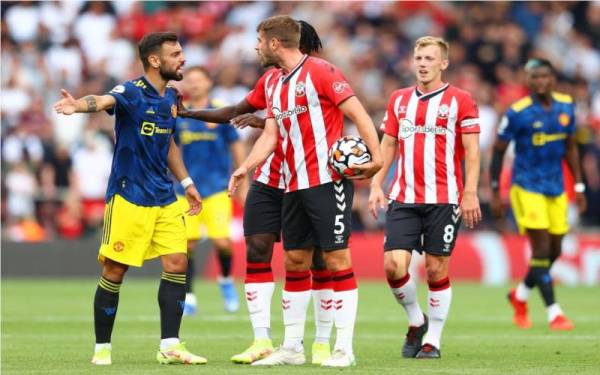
47	328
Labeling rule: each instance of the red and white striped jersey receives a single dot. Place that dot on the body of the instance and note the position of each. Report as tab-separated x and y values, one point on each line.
305	105
269	172
428	128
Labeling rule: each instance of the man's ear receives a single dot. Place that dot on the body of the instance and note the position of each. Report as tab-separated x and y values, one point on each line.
154	61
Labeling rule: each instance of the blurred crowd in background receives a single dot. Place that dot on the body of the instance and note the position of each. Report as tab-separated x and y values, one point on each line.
55	168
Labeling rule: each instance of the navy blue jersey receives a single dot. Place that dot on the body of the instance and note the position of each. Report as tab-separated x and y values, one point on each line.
205	147
145	122
540	137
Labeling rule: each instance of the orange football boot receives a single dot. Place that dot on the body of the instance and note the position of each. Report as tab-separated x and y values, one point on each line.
520	319
561	323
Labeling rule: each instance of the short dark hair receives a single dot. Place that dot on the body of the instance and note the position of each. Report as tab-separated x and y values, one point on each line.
151	43
309	39
538	63
282	27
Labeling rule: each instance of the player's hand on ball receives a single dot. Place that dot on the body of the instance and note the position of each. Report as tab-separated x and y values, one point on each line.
67	105
364	171
376	200
470	210
236	178
248	119
194	200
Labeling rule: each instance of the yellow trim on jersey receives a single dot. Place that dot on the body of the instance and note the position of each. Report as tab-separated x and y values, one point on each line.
133	234
538	211
562	98
214	221
521	104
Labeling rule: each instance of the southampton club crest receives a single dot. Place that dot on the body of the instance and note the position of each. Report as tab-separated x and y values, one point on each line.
300	89
443	111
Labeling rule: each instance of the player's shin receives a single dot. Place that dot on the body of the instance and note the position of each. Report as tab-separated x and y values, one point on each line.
171	300
259	287
106	302
438	300
345	303
295	299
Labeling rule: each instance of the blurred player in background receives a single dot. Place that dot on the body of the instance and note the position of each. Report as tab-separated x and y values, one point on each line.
143	219
262	226
310	98
433	126
542	125
209	150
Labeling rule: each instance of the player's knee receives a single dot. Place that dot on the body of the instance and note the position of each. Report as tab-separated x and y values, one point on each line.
393	269
297	261
176	263
114	271
436	271
338	260
259	248
223	245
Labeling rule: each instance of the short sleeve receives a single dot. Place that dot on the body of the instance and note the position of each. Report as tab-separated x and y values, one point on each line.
333	85
389	124
468	115
177	131
256	97
126	96
507	129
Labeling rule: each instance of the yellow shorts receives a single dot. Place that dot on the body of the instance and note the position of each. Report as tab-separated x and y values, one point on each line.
135	233
214	221
538	211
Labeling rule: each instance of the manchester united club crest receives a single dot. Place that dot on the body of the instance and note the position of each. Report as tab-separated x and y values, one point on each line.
563	119
300	89
118	246
174	111
443	111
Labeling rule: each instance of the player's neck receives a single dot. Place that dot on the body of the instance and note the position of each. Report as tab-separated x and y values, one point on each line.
156	81
199	102
545	99
426	87
289	59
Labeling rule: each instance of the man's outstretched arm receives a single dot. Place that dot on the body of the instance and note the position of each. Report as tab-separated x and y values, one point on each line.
89	103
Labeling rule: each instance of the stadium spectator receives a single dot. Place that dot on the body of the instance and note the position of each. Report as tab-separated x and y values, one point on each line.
370	41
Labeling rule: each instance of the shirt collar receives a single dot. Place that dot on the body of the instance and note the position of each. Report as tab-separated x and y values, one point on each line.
287	77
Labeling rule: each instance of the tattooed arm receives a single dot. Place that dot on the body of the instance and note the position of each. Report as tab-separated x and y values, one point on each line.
90	103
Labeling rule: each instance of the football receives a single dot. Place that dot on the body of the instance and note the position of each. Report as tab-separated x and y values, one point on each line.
346	151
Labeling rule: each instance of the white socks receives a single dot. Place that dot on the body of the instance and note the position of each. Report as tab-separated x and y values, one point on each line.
405	292
166	343
438	300
259	287
295	298
522	292
322	295
553	311
345	303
